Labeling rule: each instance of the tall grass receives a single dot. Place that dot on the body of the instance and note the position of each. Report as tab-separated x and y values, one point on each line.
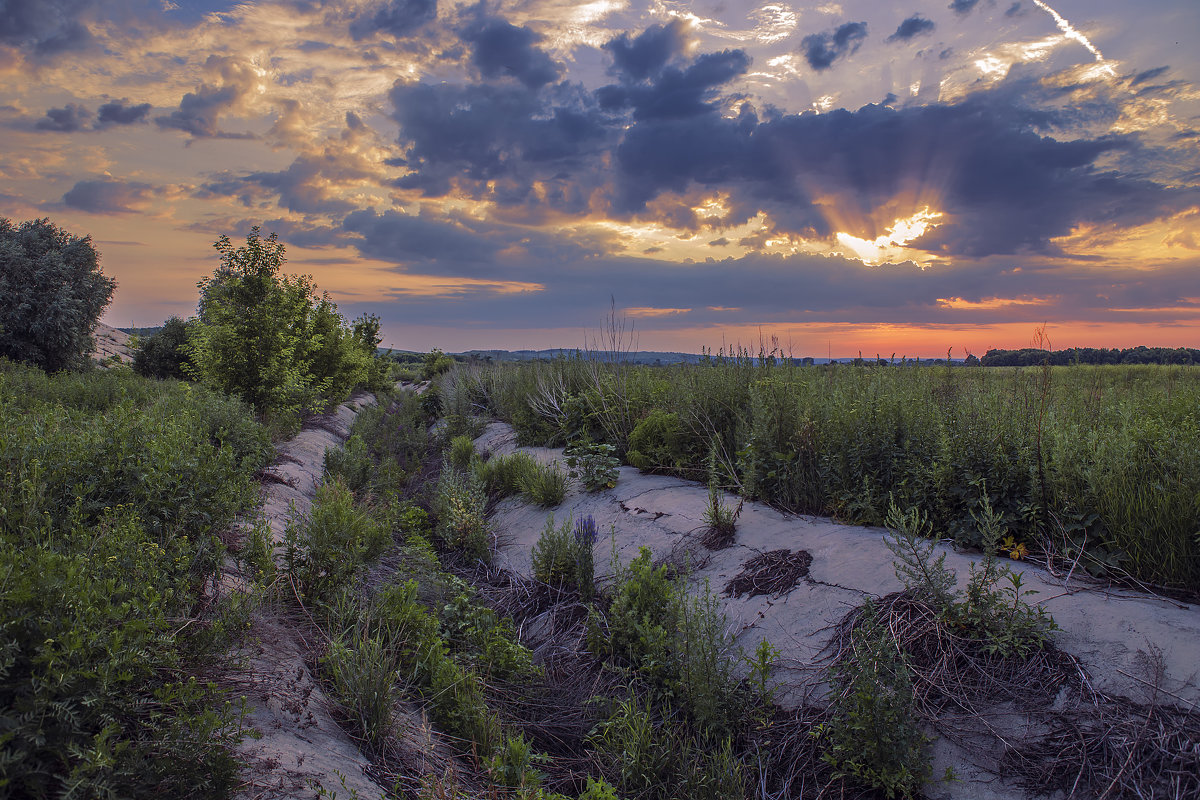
1099	460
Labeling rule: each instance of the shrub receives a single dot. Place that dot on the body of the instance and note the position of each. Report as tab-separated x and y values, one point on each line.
873	737
655	443
640	617
459	505
564	556
490	640
362	675
544	485
435	363
594	465
164	355
269	339
460	452
502	476
52	293
324	551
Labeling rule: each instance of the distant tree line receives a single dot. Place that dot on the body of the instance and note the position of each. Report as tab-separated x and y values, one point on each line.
1031	356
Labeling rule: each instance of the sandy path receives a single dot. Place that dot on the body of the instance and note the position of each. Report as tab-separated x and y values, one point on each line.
300	748
1108	630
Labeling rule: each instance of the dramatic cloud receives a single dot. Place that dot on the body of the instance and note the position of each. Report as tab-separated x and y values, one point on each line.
502	49
200	111
641	57
913	26
117	113
45	27
676	94
397	18
109	196
822	49
963	6
404	238
68	119
482	133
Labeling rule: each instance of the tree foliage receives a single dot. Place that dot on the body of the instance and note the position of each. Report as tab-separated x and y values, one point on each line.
269	338
164	355
52	293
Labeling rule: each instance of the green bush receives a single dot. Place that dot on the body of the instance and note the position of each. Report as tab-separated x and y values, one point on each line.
655	443
114	489
434	364
271	340
164	354
594	465
323	551
873	736
362	675
544	485
460	452
52	293
564	557
459	505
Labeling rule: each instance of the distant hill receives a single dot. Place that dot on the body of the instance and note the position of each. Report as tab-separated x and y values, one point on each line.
646	357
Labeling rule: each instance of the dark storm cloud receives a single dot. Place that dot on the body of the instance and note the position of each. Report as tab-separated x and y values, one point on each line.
108	196
1004	187
641	57
913	26
68	119
397	18
118	113
501	49
822	49
675	93
963	6
45	27
479	133
405	239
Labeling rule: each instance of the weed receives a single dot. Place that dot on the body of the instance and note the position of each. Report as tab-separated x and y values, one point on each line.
362	675
593	465
873	737
460	452
563	556
543	485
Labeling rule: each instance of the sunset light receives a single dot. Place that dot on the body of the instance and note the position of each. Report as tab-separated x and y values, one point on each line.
516	168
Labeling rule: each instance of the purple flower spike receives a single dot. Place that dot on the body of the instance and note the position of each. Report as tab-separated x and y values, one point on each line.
585	530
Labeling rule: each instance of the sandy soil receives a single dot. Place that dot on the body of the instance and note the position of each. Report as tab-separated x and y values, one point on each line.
297	748
1110	631
111	342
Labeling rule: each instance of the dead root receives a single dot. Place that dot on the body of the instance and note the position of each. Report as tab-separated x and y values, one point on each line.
774	572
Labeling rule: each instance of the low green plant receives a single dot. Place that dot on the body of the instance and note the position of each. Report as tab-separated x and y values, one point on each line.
362	676
719	517
995	608
485	637
323	551
593	465
460	452
656	443
545	485
641	626
873	737
459	505
514	764
639	749
564	556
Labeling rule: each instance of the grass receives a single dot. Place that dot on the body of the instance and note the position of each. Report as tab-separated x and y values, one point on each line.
1092	466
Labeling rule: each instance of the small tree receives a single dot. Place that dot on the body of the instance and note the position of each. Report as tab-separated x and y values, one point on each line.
269	338
164	355
52	293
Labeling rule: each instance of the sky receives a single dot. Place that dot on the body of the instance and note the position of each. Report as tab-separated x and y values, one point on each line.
835	177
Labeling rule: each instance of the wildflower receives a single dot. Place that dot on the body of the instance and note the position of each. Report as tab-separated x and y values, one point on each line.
585	530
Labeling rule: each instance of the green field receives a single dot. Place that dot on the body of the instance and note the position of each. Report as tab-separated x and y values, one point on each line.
1096	467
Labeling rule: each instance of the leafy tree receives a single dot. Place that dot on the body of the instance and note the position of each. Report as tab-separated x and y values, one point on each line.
52	293
164	355
269	338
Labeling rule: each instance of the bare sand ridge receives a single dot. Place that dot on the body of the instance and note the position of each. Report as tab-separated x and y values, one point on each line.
1111	631
300	745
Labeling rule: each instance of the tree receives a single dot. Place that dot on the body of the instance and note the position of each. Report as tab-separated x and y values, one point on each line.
269	338
52	293
164	355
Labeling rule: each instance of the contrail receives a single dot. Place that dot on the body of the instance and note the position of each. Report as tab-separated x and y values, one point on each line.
1071	33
